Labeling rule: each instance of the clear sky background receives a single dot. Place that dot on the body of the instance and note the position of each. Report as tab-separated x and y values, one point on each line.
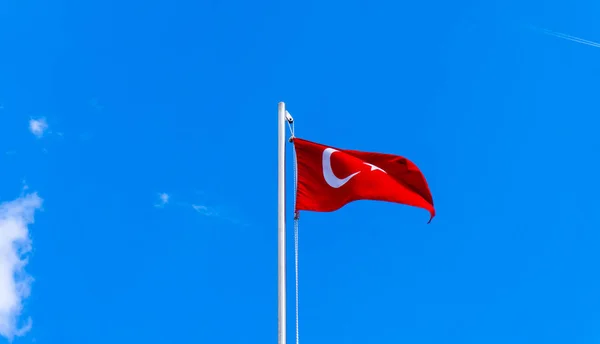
106	105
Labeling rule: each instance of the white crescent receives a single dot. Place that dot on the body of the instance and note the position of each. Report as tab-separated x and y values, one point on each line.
330	178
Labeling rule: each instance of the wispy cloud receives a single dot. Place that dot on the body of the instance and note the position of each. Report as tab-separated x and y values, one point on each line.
163	199
38	126
15	244
204	210
218	214
568	37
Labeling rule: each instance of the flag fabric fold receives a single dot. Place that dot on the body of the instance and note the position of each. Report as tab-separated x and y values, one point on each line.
328	178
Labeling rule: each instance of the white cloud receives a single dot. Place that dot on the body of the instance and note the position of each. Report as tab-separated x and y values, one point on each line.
15	244
163	199
217	213
38	126
204	210
199	208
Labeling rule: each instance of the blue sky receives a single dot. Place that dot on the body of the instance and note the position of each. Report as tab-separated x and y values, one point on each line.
106	105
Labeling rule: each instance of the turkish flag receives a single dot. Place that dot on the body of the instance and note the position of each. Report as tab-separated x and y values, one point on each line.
329	178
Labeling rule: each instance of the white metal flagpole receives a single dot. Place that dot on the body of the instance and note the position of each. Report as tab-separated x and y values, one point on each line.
281	273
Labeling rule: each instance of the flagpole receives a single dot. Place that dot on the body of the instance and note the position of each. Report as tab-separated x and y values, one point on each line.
281	273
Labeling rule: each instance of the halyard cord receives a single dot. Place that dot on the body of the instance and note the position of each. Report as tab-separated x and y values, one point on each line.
296	266
291	126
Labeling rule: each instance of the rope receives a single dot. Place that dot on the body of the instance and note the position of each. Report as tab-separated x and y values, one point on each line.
296	268
296	218
296	248
290	123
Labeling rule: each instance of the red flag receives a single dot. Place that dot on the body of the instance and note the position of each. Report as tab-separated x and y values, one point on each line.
329	178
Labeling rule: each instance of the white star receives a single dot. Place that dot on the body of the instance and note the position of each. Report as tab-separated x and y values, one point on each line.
373	168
